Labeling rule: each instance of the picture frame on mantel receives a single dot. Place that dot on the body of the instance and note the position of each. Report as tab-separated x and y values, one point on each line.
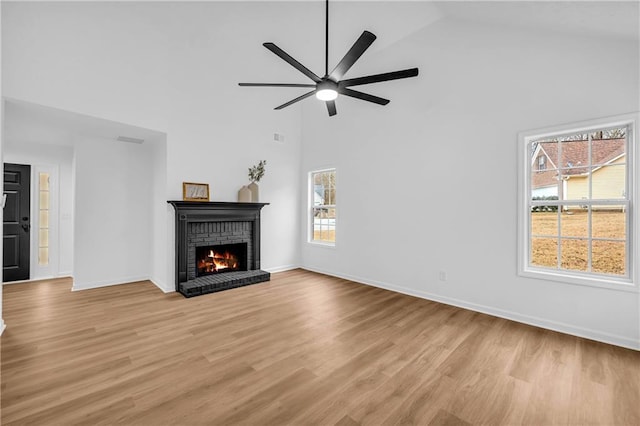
195	191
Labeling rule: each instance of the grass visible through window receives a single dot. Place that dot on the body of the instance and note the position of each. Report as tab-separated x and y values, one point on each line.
608	257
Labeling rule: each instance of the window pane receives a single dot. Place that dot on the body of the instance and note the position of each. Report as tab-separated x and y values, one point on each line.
544	184
326	181
44	181
608	182
575	186
608	257
43	256
324	225
318	195
44	218
574	254
608	146
544	174
608	222
547	148
43	238
329	187
331	196
544	223
324	188
574	223
574	154
544	252
44	200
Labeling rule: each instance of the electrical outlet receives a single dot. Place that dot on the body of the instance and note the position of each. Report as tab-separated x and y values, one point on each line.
442	276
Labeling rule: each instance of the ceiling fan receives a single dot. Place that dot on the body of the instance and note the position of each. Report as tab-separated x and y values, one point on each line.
328	87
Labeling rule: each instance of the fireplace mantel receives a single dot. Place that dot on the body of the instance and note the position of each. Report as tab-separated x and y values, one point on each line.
189	212
216	209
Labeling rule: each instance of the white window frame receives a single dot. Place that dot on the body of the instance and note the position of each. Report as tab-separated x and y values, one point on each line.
624	283
312	207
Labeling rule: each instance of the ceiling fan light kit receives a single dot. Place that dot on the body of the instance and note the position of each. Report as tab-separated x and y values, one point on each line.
327	90
328	87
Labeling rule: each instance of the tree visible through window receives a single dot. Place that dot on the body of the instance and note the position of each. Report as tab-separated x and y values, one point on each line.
578	205
323	206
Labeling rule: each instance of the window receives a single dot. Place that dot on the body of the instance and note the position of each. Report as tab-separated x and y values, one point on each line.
322	196
575	211
43	222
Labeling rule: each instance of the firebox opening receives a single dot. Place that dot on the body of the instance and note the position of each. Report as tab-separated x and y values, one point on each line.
221	258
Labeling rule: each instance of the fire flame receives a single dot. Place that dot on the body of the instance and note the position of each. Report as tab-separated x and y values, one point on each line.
224	260
215	262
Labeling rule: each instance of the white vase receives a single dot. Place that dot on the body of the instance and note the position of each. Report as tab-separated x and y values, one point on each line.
255	192
244	194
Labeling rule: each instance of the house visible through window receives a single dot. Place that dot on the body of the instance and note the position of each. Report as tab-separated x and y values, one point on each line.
542	163
576	211
323	206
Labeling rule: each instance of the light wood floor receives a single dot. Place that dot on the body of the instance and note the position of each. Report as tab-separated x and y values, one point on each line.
302	349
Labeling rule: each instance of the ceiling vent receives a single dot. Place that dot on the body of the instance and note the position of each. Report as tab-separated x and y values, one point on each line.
130	140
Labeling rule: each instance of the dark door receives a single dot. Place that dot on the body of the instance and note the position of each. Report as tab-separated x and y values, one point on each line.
17	223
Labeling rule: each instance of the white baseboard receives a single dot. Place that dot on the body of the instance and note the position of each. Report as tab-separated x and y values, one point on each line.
107	283
281	268
162	286
17	282
586	333
37	279
3	326
62	274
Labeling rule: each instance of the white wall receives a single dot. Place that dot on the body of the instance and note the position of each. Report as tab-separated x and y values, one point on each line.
411	174
160	274
114	213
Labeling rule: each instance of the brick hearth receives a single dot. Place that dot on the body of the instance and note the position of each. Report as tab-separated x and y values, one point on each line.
219	282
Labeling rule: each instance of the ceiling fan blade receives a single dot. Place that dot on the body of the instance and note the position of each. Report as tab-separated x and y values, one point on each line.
293	101
363	96
376	78
331	107
275	85
358	48
289	59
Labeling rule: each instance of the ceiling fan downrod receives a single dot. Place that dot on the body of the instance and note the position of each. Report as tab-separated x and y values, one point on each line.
326	39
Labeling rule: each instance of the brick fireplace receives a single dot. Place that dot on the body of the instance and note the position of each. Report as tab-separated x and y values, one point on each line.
217	246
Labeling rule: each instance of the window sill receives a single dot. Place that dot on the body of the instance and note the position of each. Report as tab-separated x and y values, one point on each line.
622	284
322	244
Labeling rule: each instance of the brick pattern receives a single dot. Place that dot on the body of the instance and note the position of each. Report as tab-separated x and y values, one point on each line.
216	233
224	281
